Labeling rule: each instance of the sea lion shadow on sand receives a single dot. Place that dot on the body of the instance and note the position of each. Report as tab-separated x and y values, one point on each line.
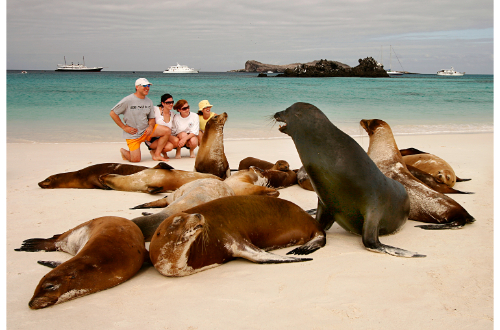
351	190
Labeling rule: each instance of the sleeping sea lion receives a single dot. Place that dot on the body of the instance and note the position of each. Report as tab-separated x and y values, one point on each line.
153	181
216	232
211	158
426	205
88	177
351	190
250	182
280	165
189	195
108	251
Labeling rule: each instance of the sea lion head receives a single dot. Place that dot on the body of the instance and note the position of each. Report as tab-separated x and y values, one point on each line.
47	183
300	118
370	125
217	121
175	236
54	288
445	176
281	165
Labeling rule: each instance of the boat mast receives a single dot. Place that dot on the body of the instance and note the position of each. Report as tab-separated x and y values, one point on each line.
65	60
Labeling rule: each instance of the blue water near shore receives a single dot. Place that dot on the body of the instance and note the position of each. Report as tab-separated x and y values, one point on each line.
57	107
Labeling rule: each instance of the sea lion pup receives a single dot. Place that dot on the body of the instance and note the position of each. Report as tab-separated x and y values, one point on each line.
211	157
250	182
108	251
216	232
277	179
351	189
431	182
189	195
153	181
303	179
432	164
280	165
88	177
426	205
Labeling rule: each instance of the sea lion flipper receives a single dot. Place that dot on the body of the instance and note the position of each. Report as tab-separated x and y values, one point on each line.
160	203
324	216
155	190
254	254
461	180
311	246
382	248
312	211
411	151
39	244
164	166
50	264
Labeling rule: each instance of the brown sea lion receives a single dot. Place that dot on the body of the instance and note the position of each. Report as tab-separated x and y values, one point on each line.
277	179
351	190
250	182
280	165
426	204
211	157
431	182
108	251
189	195
88	177
303	179
216	232
153	181
435	166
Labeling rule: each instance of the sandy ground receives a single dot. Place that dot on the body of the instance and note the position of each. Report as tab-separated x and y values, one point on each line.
344	287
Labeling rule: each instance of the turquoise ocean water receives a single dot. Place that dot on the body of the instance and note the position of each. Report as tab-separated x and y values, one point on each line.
60	107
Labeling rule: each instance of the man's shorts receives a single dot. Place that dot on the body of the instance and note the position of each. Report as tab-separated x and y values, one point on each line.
134	144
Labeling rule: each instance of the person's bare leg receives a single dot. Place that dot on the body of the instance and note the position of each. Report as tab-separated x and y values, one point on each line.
125	154
178	153
164	134
131	156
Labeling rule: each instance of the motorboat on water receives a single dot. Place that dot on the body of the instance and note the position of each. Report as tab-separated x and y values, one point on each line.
77	67
450	72
180	69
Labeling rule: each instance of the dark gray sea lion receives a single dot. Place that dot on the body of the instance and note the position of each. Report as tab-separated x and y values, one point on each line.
88	177
426	204
216	232
211	157
108	251
351	189
189	195
280	165
153	180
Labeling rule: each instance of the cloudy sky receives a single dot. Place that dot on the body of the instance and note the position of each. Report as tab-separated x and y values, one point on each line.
221	35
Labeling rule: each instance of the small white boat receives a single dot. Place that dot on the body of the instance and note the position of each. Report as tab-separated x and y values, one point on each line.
180	69
394	73
270	72
77	67
450	72
24	71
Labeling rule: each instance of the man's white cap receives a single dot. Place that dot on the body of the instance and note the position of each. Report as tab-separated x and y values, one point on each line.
142	82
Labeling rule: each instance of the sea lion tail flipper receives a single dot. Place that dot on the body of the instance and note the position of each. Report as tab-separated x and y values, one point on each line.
39	244
254	254
314	244
163	166
461	180
162	202
394	251
51	264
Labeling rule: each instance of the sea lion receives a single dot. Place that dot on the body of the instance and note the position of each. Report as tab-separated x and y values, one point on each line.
88	177
426	204
250	182
280	165
277	179
303	179
431	182
216	232
108	251
351	189
211	157
153	181
189	195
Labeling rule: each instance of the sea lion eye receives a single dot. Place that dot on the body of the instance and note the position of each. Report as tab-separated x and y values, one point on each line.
50	287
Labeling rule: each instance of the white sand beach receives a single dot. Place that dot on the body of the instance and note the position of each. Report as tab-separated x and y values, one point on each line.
345	286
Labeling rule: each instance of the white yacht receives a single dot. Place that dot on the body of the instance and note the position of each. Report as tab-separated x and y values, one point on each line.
77	67
180	69
450	72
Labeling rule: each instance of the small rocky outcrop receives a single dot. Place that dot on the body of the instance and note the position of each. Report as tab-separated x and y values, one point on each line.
367	67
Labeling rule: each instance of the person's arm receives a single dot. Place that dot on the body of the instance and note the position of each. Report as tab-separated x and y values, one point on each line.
151	125
118	121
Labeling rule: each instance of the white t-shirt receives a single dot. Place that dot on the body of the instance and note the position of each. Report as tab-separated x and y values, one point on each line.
190	124
161	121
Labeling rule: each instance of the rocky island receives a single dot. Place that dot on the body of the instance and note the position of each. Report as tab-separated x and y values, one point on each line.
368	67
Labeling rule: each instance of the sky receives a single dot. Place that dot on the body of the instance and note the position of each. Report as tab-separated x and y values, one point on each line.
221	35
